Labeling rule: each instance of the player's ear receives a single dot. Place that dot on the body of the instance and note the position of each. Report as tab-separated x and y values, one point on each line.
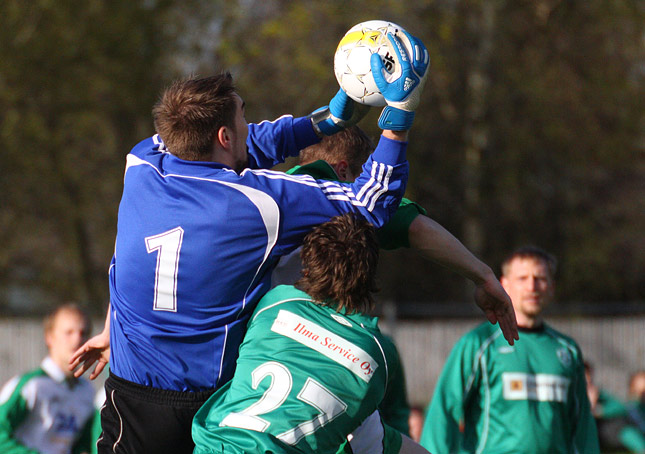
224	137
342	170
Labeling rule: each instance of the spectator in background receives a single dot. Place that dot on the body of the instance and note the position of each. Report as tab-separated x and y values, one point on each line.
634	436
529	398
608	412
48	410
415	422
603	404
636	405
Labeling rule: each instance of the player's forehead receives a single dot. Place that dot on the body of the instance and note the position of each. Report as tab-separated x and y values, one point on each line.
524	266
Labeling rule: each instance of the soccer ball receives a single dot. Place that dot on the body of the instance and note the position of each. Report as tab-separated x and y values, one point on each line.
352	59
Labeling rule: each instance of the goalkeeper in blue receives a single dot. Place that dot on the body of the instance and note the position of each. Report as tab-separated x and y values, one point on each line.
201	226
529	398
312	365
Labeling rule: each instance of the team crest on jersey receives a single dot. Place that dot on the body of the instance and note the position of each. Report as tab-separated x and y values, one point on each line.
564	355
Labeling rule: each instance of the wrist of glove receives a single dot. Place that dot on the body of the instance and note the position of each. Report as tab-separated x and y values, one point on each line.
395	119
403	94
342	112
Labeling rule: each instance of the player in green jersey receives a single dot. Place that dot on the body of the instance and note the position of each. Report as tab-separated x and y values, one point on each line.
529	398
340	157
312	365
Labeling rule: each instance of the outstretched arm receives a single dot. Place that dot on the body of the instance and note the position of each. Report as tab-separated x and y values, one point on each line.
437	244
95	350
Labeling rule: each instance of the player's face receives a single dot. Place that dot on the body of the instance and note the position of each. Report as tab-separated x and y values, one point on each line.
241	131
530	285
67	334
637	389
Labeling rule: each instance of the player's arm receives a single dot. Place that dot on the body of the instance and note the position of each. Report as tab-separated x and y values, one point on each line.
394	407
442	427
437	244
585	436
270	143
13	411
95	350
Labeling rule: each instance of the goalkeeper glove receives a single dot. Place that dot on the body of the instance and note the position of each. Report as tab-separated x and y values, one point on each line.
403	94
342	112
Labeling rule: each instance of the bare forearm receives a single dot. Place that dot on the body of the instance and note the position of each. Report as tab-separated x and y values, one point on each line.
401	136
106	327
437	244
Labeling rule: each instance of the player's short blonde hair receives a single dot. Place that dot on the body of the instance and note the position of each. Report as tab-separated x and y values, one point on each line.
531	252
50	318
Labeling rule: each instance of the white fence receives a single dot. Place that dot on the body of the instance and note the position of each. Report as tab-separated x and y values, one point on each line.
615	346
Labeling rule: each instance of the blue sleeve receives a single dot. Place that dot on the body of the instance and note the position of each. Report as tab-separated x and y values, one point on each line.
271	142
305	202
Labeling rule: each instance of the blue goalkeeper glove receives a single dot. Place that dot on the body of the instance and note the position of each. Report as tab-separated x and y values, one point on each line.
403	94
342	112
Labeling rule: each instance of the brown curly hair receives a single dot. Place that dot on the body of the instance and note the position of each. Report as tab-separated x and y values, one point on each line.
339	260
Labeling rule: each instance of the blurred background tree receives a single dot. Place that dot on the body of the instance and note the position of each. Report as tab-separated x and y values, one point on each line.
532	127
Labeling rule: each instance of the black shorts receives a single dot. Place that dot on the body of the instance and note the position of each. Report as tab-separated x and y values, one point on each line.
138	419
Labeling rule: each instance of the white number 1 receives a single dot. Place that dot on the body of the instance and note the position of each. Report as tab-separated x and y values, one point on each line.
167	245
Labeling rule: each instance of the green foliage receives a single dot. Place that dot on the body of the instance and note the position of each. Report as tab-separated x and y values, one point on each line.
77	81
531	129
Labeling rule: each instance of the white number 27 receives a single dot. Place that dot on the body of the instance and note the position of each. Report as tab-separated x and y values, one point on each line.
167	245
312	392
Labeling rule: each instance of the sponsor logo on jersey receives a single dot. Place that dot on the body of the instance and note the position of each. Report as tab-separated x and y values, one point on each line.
341	320
540	387
333	346
564	355
504	349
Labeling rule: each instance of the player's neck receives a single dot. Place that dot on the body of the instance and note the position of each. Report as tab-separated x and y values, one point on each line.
528	322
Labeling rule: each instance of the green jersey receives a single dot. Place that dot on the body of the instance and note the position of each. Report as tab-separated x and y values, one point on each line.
495	398
43	411
306	377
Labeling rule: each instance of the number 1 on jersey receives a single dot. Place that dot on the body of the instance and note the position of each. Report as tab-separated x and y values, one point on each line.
167	245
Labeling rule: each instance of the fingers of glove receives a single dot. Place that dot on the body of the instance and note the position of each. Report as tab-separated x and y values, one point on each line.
341	106
400	88
420	57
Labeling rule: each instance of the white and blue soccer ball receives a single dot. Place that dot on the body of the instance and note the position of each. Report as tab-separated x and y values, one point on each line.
352	59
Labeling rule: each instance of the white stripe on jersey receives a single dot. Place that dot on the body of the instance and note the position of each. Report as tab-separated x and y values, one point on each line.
367	197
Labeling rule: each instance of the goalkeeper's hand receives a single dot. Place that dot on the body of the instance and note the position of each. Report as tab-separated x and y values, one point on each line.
403	94
342	112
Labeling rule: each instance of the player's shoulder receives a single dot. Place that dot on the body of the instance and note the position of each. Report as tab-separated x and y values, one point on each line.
17	383
149	145
281	296
562	338
411	206
483	332
481	336
320	170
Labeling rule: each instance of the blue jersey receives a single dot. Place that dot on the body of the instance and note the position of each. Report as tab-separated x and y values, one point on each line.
197	242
